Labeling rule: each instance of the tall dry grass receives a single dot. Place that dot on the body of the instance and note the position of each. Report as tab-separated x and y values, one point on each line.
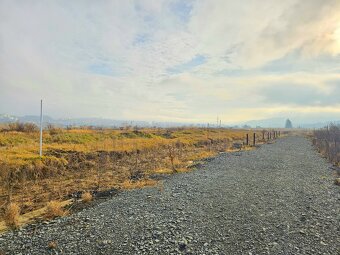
327	141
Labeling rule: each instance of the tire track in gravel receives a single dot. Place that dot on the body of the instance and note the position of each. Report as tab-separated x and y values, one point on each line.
277	199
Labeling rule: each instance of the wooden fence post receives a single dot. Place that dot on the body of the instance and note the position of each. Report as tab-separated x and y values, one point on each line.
254	138
247	139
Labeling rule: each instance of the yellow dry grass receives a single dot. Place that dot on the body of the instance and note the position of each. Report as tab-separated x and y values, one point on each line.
74	154
163	171
31	216
22	148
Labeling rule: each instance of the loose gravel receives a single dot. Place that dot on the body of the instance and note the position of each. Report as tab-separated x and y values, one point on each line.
277	199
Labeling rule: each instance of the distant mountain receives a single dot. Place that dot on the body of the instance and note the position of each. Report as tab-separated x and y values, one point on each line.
35	119
266	123
280	123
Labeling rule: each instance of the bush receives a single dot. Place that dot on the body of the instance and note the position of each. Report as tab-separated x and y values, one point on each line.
22	127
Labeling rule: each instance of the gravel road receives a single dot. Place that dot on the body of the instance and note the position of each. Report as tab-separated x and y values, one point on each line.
277	199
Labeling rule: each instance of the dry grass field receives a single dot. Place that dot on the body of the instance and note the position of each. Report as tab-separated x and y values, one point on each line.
77	161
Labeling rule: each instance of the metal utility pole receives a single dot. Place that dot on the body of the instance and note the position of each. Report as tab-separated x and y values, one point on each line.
41	121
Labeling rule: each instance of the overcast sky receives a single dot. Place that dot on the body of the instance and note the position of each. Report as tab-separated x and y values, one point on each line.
186	61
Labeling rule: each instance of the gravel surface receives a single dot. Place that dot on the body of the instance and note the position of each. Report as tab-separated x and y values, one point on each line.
277	199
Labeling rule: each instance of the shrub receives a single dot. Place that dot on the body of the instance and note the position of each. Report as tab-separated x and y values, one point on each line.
12	214
22	127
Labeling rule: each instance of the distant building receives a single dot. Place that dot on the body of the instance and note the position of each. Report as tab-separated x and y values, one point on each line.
288	124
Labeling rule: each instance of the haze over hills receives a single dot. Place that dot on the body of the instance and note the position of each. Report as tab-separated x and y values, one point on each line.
98	122
105	122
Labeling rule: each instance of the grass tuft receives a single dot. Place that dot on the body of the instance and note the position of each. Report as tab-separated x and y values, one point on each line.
86	197
54	209
12	214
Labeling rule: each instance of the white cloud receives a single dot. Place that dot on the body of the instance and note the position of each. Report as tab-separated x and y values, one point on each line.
112	58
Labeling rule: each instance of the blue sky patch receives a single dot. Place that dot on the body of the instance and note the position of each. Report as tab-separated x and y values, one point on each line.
141	39
182	9
196	61
102	69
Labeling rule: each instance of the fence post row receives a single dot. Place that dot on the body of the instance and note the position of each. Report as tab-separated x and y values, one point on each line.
270	135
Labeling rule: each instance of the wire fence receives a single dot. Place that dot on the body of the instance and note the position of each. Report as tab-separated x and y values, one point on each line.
252	139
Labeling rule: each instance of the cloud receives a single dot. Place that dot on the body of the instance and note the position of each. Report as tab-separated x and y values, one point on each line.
169	60
262	31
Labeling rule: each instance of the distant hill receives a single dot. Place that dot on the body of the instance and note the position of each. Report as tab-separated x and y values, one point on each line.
280	123
5	118
98	122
